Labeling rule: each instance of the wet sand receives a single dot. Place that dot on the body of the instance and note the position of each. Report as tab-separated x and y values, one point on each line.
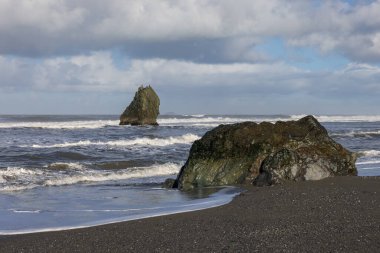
340	214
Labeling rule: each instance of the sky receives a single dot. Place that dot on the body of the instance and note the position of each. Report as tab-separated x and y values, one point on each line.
201	57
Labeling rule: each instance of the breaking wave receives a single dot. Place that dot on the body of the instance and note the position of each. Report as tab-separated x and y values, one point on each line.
366	134
56	174
357	118
193	120
88	124
369	153
216	120
24	211
211	121
183	139
368	162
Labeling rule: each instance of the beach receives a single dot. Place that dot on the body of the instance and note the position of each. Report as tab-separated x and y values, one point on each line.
340	214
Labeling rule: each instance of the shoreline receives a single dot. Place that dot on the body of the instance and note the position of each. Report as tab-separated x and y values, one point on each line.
333	214
218	198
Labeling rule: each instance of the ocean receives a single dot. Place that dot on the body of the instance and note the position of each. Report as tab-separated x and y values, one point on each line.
64	172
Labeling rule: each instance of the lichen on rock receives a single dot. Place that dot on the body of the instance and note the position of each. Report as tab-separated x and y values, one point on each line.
144	108
265	154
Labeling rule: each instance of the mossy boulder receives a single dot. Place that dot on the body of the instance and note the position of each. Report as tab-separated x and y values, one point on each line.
144	108
264	154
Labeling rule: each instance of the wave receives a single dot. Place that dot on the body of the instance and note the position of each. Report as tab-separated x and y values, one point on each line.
366	134
16	179
369	153
368	162
98	176
340	118
196	120
183	139
25	211
357	118
16	172
369	168
195	115
87	124
217	120
200	120
56	174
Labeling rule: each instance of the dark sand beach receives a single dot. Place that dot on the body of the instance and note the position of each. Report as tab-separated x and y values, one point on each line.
340	214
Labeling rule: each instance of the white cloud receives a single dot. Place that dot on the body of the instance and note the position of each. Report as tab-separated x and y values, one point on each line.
351	30
94	83
206	49
98	72
50	27
49	16
94	72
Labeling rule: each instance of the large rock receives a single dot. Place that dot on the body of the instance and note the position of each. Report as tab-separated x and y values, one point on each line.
144	108
265	154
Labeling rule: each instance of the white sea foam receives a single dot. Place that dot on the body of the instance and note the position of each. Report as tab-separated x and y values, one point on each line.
212	120
215	120
24	211
98	176
369	153
16	188
106	210
189	120
200	120
205	125
89	124
368	162
358	133
340	118
369	168
65	144
16	179
343	118
183	139
195	115
17	172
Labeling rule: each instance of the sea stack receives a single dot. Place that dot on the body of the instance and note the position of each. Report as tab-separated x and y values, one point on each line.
144	108
264	154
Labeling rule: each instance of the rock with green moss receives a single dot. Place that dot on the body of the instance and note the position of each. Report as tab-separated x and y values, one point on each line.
265	154
144	108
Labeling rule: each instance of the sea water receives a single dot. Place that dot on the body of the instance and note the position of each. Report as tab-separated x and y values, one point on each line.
62	172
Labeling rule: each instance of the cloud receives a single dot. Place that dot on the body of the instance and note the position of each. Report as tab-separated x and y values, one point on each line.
96	83
199	50
217	31
98	72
